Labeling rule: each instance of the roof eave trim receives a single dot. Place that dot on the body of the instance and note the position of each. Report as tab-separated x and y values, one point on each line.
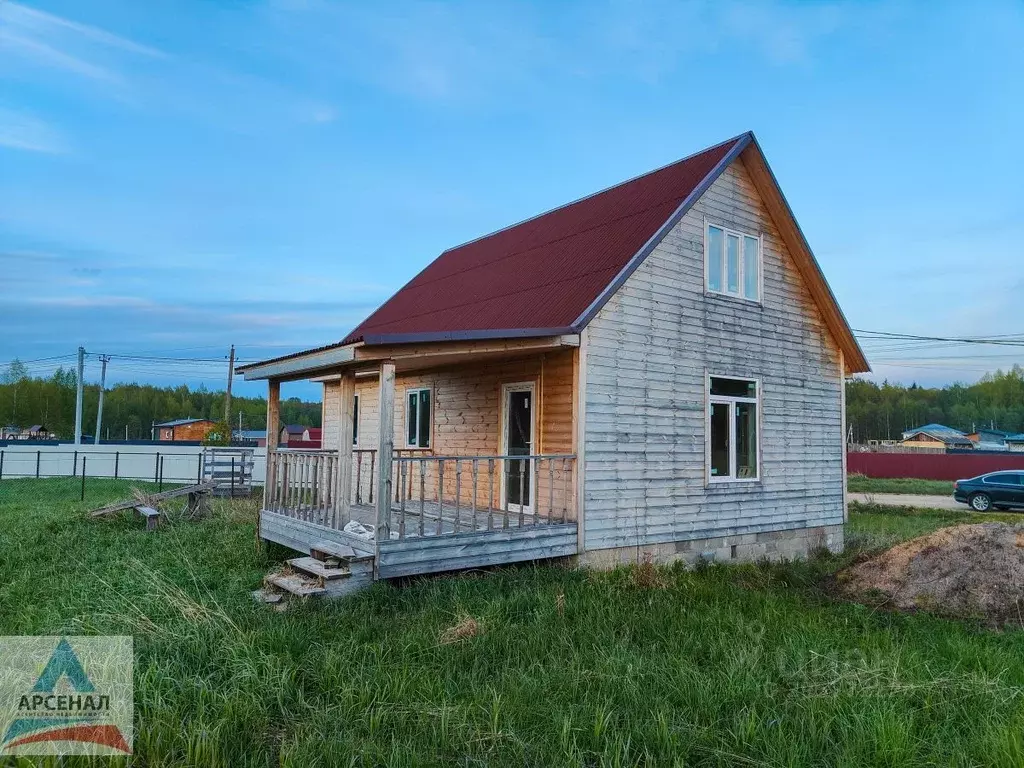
300	365
373	339
856	361
742	142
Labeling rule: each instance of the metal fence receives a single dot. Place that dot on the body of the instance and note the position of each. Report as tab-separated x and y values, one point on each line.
80	475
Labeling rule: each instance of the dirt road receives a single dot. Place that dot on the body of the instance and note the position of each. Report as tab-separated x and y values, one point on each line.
909	500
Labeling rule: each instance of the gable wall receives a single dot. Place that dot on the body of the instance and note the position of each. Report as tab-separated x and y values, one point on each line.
648	351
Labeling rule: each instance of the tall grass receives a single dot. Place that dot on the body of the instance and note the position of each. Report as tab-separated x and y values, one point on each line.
744	665
857	483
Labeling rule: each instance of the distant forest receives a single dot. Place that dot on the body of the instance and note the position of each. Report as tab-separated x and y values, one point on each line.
873	411
25	401
883	411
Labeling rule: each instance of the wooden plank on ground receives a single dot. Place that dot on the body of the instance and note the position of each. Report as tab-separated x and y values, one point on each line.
152	498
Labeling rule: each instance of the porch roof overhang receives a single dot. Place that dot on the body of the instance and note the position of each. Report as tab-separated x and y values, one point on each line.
407	352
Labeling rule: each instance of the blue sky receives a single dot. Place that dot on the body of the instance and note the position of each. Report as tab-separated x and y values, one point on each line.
178	176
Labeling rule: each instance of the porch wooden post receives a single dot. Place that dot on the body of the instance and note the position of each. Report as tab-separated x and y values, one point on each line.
346	401
385	448
273	417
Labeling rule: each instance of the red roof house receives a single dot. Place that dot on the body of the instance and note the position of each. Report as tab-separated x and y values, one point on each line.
665	355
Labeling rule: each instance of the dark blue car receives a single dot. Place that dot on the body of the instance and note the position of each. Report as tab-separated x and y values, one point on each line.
1001	490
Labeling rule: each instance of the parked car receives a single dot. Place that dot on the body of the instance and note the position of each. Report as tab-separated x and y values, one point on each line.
1001	490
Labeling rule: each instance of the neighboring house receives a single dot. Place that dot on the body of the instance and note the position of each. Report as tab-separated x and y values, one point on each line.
183	429
258	436
298	436
1015	443
35	432
989	439
935	436
654	370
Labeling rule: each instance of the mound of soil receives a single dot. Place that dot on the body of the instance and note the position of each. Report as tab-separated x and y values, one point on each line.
965	570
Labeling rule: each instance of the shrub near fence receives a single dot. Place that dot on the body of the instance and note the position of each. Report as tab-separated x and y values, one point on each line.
931	466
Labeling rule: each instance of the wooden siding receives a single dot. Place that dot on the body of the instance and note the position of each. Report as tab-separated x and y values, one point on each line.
436	554
466	415
299	534
648	352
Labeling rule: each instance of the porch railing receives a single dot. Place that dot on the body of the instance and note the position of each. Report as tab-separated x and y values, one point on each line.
304	485
429	495
437	495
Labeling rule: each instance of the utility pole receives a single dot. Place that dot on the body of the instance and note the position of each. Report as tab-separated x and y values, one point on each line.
104	359
78	396
227	397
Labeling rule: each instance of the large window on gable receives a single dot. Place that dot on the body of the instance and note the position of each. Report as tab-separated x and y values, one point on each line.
733	262
417	418
732	428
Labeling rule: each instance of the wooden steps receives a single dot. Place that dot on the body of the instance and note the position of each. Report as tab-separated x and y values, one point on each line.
336	575
319	569
296	584
330	550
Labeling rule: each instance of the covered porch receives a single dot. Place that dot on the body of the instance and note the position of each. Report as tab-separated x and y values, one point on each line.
436	457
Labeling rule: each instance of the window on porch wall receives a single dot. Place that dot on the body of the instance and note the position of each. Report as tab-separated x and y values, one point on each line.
417	418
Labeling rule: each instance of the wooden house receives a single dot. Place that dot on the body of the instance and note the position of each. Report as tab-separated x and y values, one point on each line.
936	437
653	370
183	429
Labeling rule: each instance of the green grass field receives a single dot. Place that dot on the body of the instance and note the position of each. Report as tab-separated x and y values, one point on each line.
862	484
739	665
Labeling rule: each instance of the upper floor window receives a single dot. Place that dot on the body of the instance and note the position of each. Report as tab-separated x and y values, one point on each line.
733	262
417	418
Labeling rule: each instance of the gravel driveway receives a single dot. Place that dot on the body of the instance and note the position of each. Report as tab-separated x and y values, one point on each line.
909	500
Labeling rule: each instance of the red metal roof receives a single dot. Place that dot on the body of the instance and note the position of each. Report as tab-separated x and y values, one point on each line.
540	276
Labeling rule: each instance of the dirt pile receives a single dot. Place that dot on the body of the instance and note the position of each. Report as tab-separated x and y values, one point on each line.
964	570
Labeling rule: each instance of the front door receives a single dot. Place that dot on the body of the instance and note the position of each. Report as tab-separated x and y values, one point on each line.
518	437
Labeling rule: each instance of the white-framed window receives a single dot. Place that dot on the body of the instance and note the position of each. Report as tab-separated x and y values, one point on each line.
733	452
355	420
417	417
732	262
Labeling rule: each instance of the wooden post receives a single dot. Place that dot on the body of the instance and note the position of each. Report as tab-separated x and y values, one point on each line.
273	416
346	402
579	440
385	444
842	428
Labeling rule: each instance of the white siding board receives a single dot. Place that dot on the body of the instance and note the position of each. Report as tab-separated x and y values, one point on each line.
647	352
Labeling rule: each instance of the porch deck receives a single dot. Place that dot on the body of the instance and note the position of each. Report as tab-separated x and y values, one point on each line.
460	544
440	514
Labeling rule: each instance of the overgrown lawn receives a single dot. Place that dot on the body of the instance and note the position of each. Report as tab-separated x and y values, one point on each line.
737	665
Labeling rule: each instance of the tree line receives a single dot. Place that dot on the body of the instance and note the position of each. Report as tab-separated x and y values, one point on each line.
128	409
873	411
884	411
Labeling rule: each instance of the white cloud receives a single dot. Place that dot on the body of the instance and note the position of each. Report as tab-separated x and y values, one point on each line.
43	39
19	130
41	24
